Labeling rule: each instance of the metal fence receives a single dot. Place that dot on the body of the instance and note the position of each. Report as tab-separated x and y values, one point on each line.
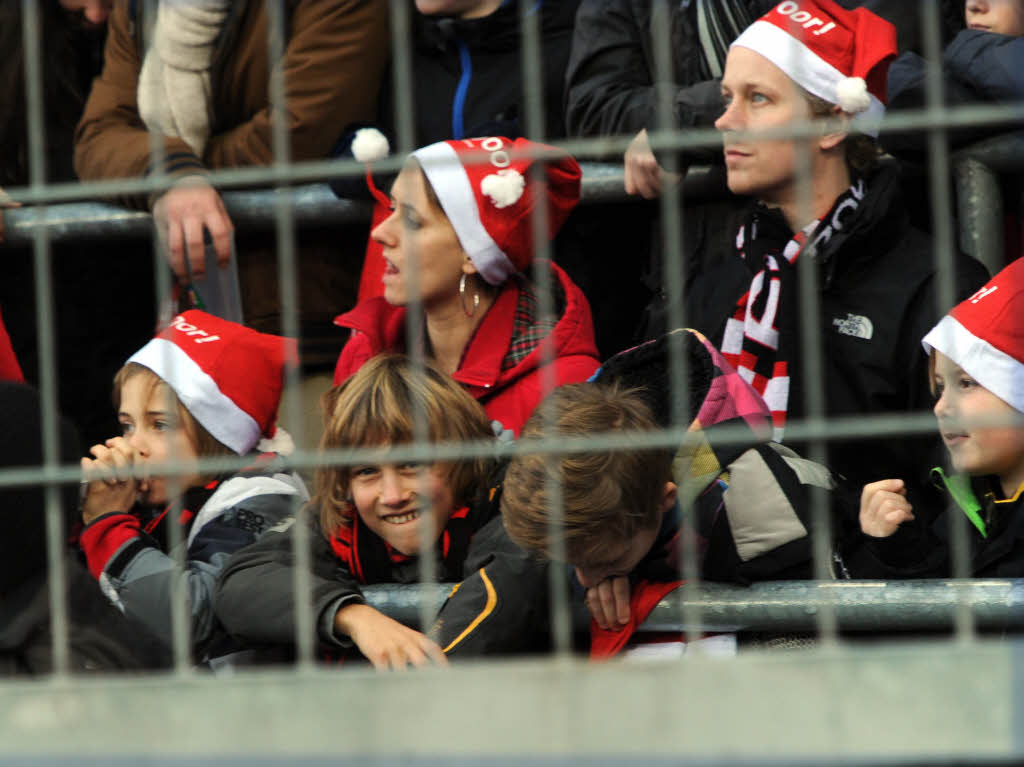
952	700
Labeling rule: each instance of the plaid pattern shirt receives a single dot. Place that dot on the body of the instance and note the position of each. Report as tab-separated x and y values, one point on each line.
529	328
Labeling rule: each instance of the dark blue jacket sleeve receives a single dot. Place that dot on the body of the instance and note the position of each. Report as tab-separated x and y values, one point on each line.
991	64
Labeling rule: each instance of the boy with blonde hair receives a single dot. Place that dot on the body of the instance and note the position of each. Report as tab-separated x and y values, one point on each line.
747	500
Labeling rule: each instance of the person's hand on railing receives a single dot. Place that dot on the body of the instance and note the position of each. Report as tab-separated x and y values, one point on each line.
386	643
608	602
182	214
643	175
884	507
6	201
113	493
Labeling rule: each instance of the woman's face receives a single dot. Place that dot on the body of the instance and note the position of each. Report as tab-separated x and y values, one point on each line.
418	229
150	425
1004	17
759	95
396	501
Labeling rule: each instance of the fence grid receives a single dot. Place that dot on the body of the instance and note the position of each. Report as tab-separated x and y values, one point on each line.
834	703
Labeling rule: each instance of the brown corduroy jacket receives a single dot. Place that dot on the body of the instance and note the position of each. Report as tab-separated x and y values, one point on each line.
335	55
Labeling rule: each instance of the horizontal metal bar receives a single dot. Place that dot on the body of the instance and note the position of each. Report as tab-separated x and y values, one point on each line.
852	427
254	210
314	204
583	148
919	605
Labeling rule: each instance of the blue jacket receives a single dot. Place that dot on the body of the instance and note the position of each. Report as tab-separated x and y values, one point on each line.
977	67
991	65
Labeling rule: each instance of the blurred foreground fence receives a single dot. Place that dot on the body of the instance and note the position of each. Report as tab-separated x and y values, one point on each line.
894	702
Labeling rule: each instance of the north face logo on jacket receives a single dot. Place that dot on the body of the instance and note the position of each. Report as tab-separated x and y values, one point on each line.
854	325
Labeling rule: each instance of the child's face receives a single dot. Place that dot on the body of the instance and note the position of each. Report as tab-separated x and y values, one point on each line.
617	558
977	450
1004	17
150	424
396	500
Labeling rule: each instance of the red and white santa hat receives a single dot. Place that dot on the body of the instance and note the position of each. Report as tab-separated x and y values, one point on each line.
839	55
984	335
484	187
229	377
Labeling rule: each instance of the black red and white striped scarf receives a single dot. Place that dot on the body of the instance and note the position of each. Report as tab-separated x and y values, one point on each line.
761	339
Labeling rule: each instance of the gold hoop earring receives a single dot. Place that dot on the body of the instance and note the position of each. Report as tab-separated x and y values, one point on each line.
462	297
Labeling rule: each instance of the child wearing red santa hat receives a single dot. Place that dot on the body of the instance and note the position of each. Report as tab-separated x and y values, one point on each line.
976	359
203	387
460	239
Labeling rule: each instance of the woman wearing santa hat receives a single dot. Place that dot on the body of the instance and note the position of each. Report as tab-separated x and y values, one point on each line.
204	387
460	237
814	62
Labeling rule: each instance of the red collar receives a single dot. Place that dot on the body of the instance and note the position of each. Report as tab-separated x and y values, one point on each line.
383	324
480	367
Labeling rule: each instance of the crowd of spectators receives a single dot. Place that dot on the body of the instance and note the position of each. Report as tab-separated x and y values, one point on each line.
452	319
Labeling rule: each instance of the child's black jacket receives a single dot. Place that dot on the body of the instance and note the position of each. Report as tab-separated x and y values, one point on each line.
921	549
255	596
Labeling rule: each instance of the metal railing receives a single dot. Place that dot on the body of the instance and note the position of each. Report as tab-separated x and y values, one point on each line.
253	210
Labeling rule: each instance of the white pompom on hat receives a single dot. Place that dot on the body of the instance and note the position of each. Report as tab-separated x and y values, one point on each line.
229	377
482	185
370	145
984	335
852	95
839	55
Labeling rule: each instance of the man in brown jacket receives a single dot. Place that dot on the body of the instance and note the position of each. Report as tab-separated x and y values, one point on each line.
211	102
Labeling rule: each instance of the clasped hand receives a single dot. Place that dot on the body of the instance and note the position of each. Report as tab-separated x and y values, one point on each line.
108	473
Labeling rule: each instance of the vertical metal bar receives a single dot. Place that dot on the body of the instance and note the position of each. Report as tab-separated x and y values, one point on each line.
938	162
812	368
401	47
305	630
415	322
180	614
55	533
673	270
533	85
